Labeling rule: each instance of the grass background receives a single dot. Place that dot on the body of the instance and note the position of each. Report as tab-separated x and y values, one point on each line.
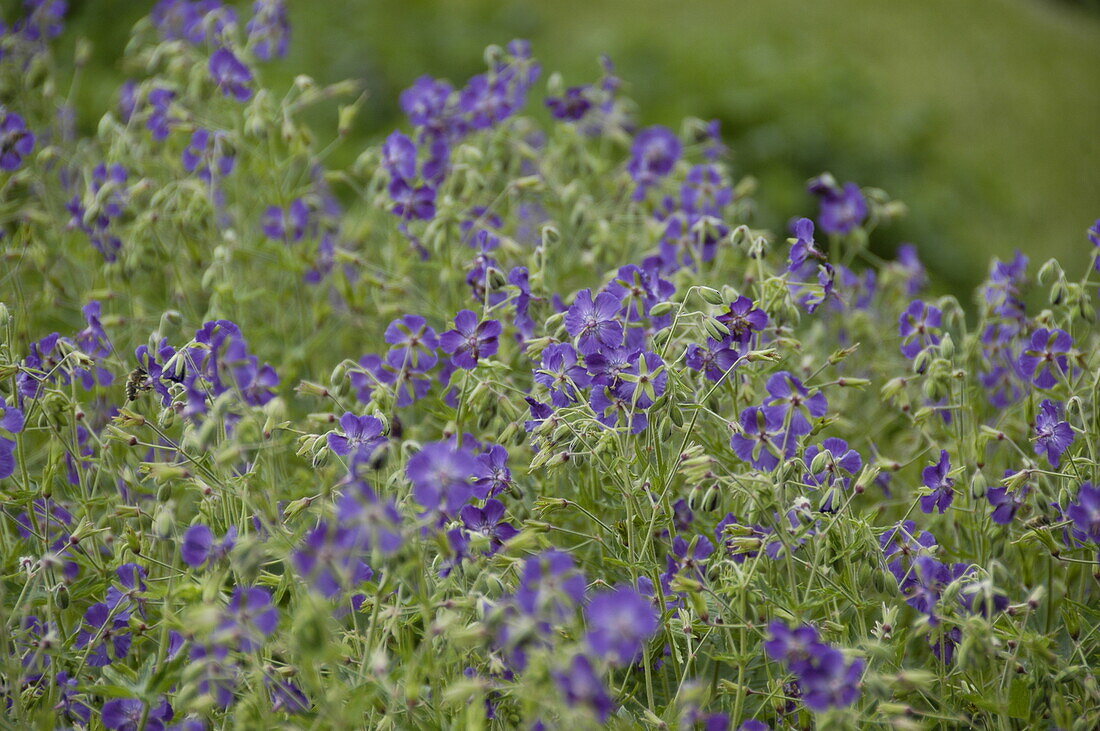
983	115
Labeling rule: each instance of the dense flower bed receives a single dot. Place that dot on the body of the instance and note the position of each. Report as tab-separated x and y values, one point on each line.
511	423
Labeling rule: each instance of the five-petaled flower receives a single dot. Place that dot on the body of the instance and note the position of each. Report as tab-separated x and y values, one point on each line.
592	321
1045	359
231	75
471	339
1053	435
937	478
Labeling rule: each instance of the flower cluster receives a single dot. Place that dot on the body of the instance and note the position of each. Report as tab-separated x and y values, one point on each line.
533	425
824	678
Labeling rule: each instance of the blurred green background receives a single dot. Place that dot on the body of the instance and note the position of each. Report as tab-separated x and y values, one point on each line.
983	115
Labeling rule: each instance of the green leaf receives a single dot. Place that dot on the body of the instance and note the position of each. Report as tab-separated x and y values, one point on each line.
1019	699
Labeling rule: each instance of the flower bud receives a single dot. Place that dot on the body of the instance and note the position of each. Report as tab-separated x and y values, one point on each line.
978	485
820	462
711	296
745	187
947	346
663	308
296	507
920	363
716	330
1050	268
1058	291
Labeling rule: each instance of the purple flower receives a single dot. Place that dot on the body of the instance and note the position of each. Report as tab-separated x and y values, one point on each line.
910	264
231	76
493	476
371	374
607	366
687	559
289	225
440	474
924	584
126	714
741	541
105	634
828	681
611	407
425	103
919	327
160	122
216	674
743	319
825	678
593	321
249	618
470	340
790	646
412	203
198	545
620	621
840	463
562	374
486	102
488	521
110	204
944	647
793	401
198	22
362	435
414	344
11	420
763	438
804	251
399	156
16	141
44	20
842	209
582	687
1044	359
550	586
539	412
269	29
1052	435
331	557
209	155
127	101
806	263
936	477
640	289
714	358
1002	376
1006	504
122	602
520	278
1085	513
286	696
1094	237
376	520
70	708
1003	291
859	289
705	192
903	539
571	106
905	544
654	154
687	240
